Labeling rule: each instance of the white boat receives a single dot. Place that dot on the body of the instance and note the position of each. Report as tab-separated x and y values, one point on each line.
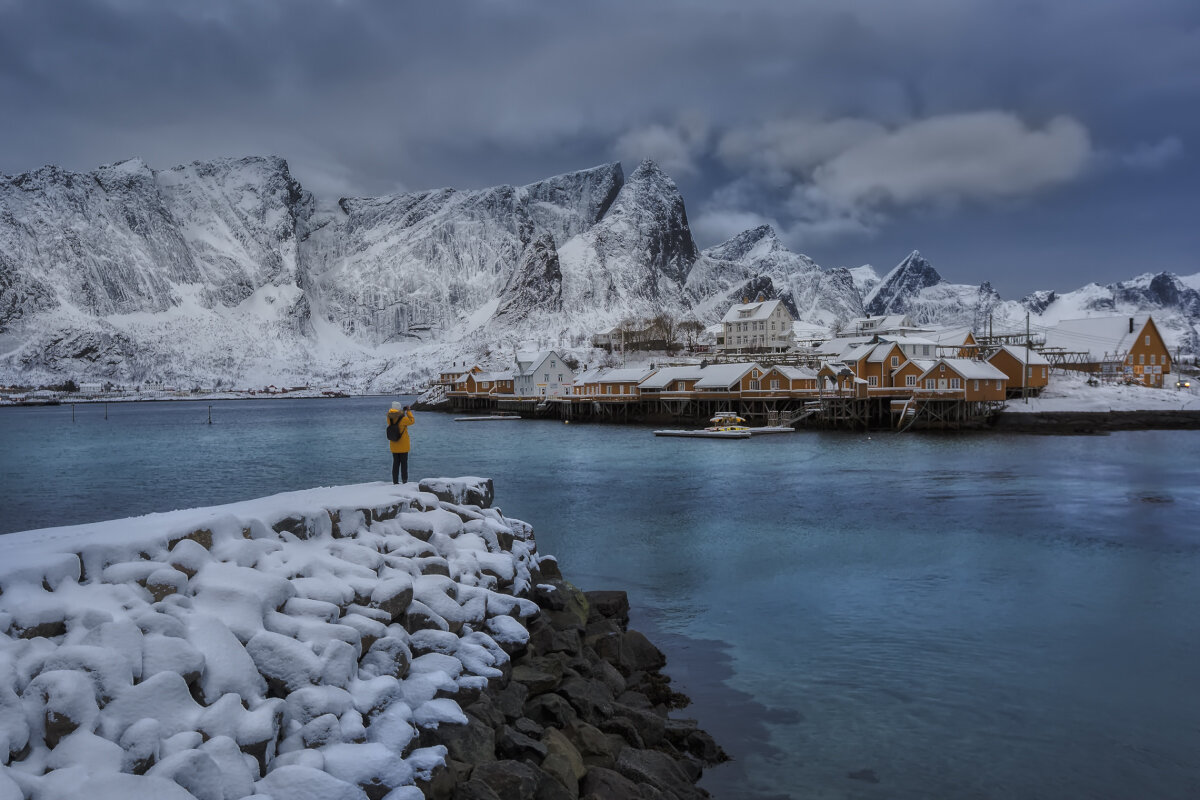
487	418
723	426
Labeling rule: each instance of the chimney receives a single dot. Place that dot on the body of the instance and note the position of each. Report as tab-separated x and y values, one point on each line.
1131	324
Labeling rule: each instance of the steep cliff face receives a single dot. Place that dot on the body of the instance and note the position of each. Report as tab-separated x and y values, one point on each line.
535	288
229	272
637	257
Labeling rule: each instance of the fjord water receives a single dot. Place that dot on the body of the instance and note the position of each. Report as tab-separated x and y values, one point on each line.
855	616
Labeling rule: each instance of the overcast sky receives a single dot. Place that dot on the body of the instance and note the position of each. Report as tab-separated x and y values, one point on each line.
1032	143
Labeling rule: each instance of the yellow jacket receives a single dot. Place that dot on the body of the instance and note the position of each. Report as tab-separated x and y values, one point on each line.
401	445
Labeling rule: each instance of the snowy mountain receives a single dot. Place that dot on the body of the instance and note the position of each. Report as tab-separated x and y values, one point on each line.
228	273
755	262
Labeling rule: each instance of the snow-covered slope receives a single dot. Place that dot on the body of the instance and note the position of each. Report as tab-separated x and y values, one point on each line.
228	273
755	262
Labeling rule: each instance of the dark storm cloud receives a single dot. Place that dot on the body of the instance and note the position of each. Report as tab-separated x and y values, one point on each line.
861	129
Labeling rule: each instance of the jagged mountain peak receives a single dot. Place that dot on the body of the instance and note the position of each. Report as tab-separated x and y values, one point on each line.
901	285
758	241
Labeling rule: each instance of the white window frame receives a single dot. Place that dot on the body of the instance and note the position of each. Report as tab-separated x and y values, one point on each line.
910	380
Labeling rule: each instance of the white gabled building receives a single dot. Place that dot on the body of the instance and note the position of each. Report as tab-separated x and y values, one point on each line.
765	324
542	374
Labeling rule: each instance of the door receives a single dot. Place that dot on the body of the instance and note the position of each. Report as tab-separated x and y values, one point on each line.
941	383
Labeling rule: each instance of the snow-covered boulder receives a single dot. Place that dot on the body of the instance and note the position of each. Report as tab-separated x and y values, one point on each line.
291	666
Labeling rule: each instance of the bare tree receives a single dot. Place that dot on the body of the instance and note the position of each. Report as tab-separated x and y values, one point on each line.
665	327
691	330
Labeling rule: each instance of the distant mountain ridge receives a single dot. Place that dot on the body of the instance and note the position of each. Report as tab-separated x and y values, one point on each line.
230	273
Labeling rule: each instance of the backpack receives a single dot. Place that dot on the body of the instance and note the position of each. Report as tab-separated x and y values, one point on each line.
393	431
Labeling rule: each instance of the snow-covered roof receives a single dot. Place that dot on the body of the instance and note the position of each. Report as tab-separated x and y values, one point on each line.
589	376
1018	353
527	362
841	345
795	373
494	376
623	375
664	376
880	351
969	368
722	376
1097	336
908	341
949	336
879	324
750	311
922	364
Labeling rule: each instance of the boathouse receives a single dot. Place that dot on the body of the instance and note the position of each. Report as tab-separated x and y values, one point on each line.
1026	369
543	374
1114	348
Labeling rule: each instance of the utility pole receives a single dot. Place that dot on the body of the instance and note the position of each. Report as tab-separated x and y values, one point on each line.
1025	371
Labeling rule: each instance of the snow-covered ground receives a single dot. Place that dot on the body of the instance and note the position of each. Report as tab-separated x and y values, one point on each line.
292	647
1071	392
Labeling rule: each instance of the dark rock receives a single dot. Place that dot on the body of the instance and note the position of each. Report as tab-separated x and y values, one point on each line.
293	525
650	726
592	699
528	727
562	760
387	656
606	784
623	728
613	605
550	710
517	746
548	566
537	681
511	700
701	745
473	743
510	780
487	711
658	770
593	745
474	790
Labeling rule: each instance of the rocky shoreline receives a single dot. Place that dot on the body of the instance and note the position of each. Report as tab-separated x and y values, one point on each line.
366	642
1085	422
582	712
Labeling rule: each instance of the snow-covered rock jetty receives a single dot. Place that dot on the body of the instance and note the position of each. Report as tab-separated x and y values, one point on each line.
368	641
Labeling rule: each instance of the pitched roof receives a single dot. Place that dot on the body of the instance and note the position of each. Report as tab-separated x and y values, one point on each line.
969	368
664	376
795	373
1097	336
1019	354
722	376
750	311
624	375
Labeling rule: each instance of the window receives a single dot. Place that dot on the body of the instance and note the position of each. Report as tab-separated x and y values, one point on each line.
1142	358
560	377
895	361
942	368
1029	371
872	380
547	378
977	386
772	324
925	349
1043	372
774	384
955	383
930	383
1152	358
754	385
1147	340
910	380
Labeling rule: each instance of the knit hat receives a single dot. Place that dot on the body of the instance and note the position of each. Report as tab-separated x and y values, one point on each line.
396	407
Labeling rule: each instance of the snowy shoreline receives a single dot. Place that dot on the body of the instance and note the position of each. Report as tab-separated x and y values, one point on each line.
367	641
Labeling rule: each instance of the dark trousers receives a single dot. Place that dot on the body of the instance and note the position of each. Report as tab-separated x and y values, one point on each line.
400	467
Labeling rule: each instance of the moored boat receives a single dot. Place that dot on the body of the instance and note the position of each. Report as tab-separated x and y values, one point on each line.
724	425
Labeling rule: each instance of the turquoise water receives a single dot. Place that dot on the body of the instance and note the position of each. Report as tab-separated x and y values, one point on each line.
974	616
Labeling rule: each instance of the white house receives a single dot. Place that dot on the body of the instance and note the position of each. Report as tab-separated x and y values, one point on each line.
542	374
765	325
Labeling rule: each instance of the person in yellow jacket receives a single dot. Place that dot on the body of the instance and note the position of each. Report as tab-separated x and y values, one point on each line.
398	420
